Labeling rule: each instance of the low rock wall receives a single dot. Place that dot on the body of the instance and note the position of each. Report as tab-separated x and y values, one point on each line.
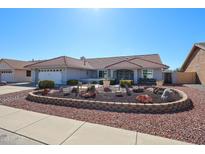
183	104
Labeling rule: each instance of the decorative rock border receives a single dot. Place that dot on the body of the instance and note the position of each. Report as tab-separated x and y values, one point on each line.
183	104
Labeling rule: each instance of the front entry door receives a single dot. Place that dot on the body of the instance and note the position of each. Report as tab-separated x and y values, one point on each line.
168	78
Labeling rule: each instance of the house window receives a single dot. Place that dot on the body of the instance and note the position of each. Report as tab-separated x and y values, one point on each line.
103	74
28	73
147	73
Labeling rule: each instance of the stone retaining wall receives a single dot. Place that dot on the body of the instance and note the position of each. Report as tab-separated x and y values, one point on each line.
183	104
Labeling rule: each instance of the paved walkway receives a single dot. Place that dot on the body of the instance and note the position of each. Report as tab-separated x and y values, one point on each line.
9	138
26	127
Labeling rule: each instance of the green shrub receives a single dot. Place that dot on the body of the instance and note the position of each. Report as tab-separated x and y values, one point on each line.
147	81
94	82
101	82
72	82
129	83
46	84
112	82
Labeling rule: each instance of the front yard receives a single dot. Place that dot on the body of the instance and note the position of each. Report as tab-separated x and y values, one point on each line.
188	126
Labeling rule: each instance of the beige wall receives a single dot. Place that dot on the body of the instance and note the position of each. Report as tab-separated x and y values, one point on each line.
197	65
20	76
185	77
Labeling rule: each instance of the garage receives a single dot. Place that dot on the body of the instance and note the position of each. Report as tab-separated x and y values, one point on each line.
51	74
7	76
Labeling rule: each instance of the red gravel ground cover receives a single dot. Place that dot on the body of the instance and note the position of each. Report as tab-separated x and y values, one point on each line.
188	126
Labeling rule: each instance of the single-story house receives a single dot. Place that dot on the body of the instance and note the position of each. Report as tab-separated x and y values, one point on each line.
14	71
64	68
195	62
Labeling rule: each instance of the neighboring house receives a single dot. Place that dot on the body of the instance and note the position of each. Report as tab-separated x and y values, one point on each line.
195	62
64	68
14	71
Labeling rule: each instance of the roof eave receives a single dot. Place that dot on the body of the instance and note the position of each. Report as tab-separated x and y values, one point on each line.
57	66
183	67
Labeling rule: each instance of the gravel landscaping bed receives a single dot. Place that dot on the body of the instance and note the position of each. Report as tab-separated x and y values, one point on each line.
110	97
188	126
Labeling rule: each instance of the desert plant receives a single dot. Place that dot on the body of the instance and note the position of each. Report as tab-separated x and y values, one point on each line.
46	84
72	82
144	99
74	90
107	89
45	92
160	82
91	89
129	83
90	93
128	92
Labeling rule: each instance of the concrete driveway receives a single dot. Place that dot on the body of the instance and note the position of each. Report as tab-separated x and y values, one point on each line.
196	86
15	88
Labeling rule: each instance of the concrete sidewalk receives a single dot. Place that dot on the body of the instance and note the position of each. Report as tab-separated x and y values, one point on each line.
37	128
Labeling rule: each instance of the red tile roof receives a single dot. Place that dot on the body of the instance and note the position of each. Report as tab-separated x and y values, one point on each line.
123	62
137	61
17	64
62	61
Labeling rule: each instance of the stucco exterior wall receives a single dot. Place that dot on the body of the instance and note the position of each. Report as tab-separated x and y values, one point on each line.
76	74
79	74
157	74
33	76
92	74
183	77
197	64
16	75
69	73
135	76
20	76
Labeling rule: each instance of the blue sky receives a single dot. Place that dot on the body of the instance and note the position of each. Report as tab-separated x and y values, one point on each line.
46	33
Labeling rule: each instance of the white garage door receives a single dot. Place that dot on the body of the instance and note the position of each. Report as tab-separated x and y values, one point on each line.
7	76
51	74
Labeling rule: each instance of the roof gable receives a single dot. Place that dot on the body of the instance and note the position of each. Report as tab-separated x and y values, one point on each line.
125	64
152	60
16	64
4	65
192	54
